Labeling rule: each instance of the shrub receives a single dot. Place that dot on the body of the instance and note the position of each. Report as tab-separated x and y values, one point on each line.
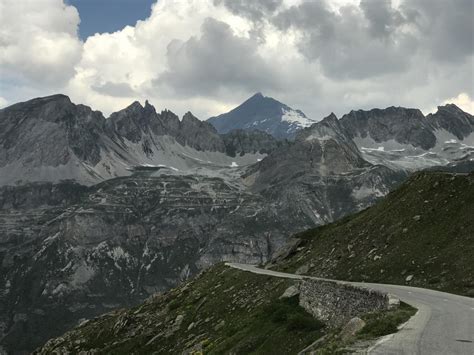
300	322
174	304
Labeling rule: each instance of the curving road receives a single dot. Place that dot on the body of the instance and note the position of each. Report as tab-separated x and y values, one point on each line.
444	323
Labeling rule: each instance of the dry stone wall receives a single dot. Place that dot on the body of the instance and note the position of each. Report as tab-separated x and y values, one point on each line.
336	303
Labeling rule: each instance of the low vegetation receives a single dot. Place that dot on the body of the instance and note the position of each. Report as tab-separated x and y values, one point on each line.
377	324
383	323
422	234
224	310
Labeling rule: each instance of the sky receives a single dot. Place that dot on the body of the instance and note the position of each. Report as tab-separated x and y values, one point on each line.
208	56
99	16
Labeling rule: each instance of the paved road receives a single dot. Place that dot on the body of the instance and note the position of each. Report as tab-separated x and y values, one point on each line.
444	323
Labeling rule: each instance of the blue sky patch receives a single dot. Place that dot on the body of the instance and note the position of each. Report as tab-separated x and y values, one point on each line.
98	16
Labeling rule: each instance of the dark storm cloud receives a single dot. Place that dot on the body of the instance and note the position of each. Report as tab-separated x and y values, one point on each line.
353	43
446	27
254	10
218	59
375	38
382	18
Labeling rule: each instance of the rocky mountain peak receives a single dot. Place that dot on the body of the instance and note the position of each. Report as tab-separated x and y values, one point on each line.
330	121
54	108
198	134
453	120
136	120
328	128
453	112
189	117
403	125
255	97
189	120
147	104
262	113
58	99
451	108
135	105
47	132
330	117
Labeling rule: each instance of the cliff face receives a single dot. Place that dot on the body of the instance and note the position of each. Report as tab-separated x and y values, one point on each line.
453	120
405	139
405	126
72	252
49	131
51	139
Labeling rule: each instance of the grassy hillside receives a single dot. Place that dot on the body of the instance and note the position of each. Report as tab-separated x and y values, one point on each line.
224	310
422	234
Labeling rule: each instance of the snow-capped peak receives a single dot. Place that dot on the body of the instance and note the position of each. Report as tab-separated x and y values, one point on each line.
297	117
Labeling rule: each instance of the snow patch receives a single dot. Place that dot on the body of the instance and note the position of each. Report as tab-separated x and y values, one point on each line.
380	149
82	274
118	253
292	116
324	138
159	166
364	192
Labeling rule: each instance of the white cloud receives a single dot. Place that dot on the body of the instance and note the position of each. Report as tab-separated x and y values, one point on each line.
137	55
173	60
3	102
463	101
38	42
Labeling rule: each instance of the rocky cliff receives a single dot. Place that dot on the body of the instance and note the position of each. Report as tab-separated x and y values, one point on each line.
51	139
405	139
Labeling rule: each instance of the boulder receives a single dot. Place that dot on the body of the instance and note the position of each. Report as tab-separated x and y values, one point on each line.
351	328
290	292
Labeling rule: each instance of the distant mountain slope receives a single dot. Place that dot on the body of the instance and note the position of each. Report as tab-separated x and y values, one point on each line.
405	139
321	174
403	125
421	234
409	126
51	139
265	114
70	252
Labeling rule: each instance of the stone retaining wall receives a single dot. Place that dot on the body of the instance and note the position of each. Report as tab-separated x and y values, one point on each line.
336	303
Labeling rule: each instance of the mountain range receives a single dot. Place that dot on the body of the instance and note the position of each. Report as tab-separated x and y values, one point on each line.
98	213
52	139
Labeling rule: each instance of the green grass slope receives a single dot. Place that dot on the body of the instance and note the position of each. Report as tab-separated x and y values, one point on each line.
421	234
222	311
